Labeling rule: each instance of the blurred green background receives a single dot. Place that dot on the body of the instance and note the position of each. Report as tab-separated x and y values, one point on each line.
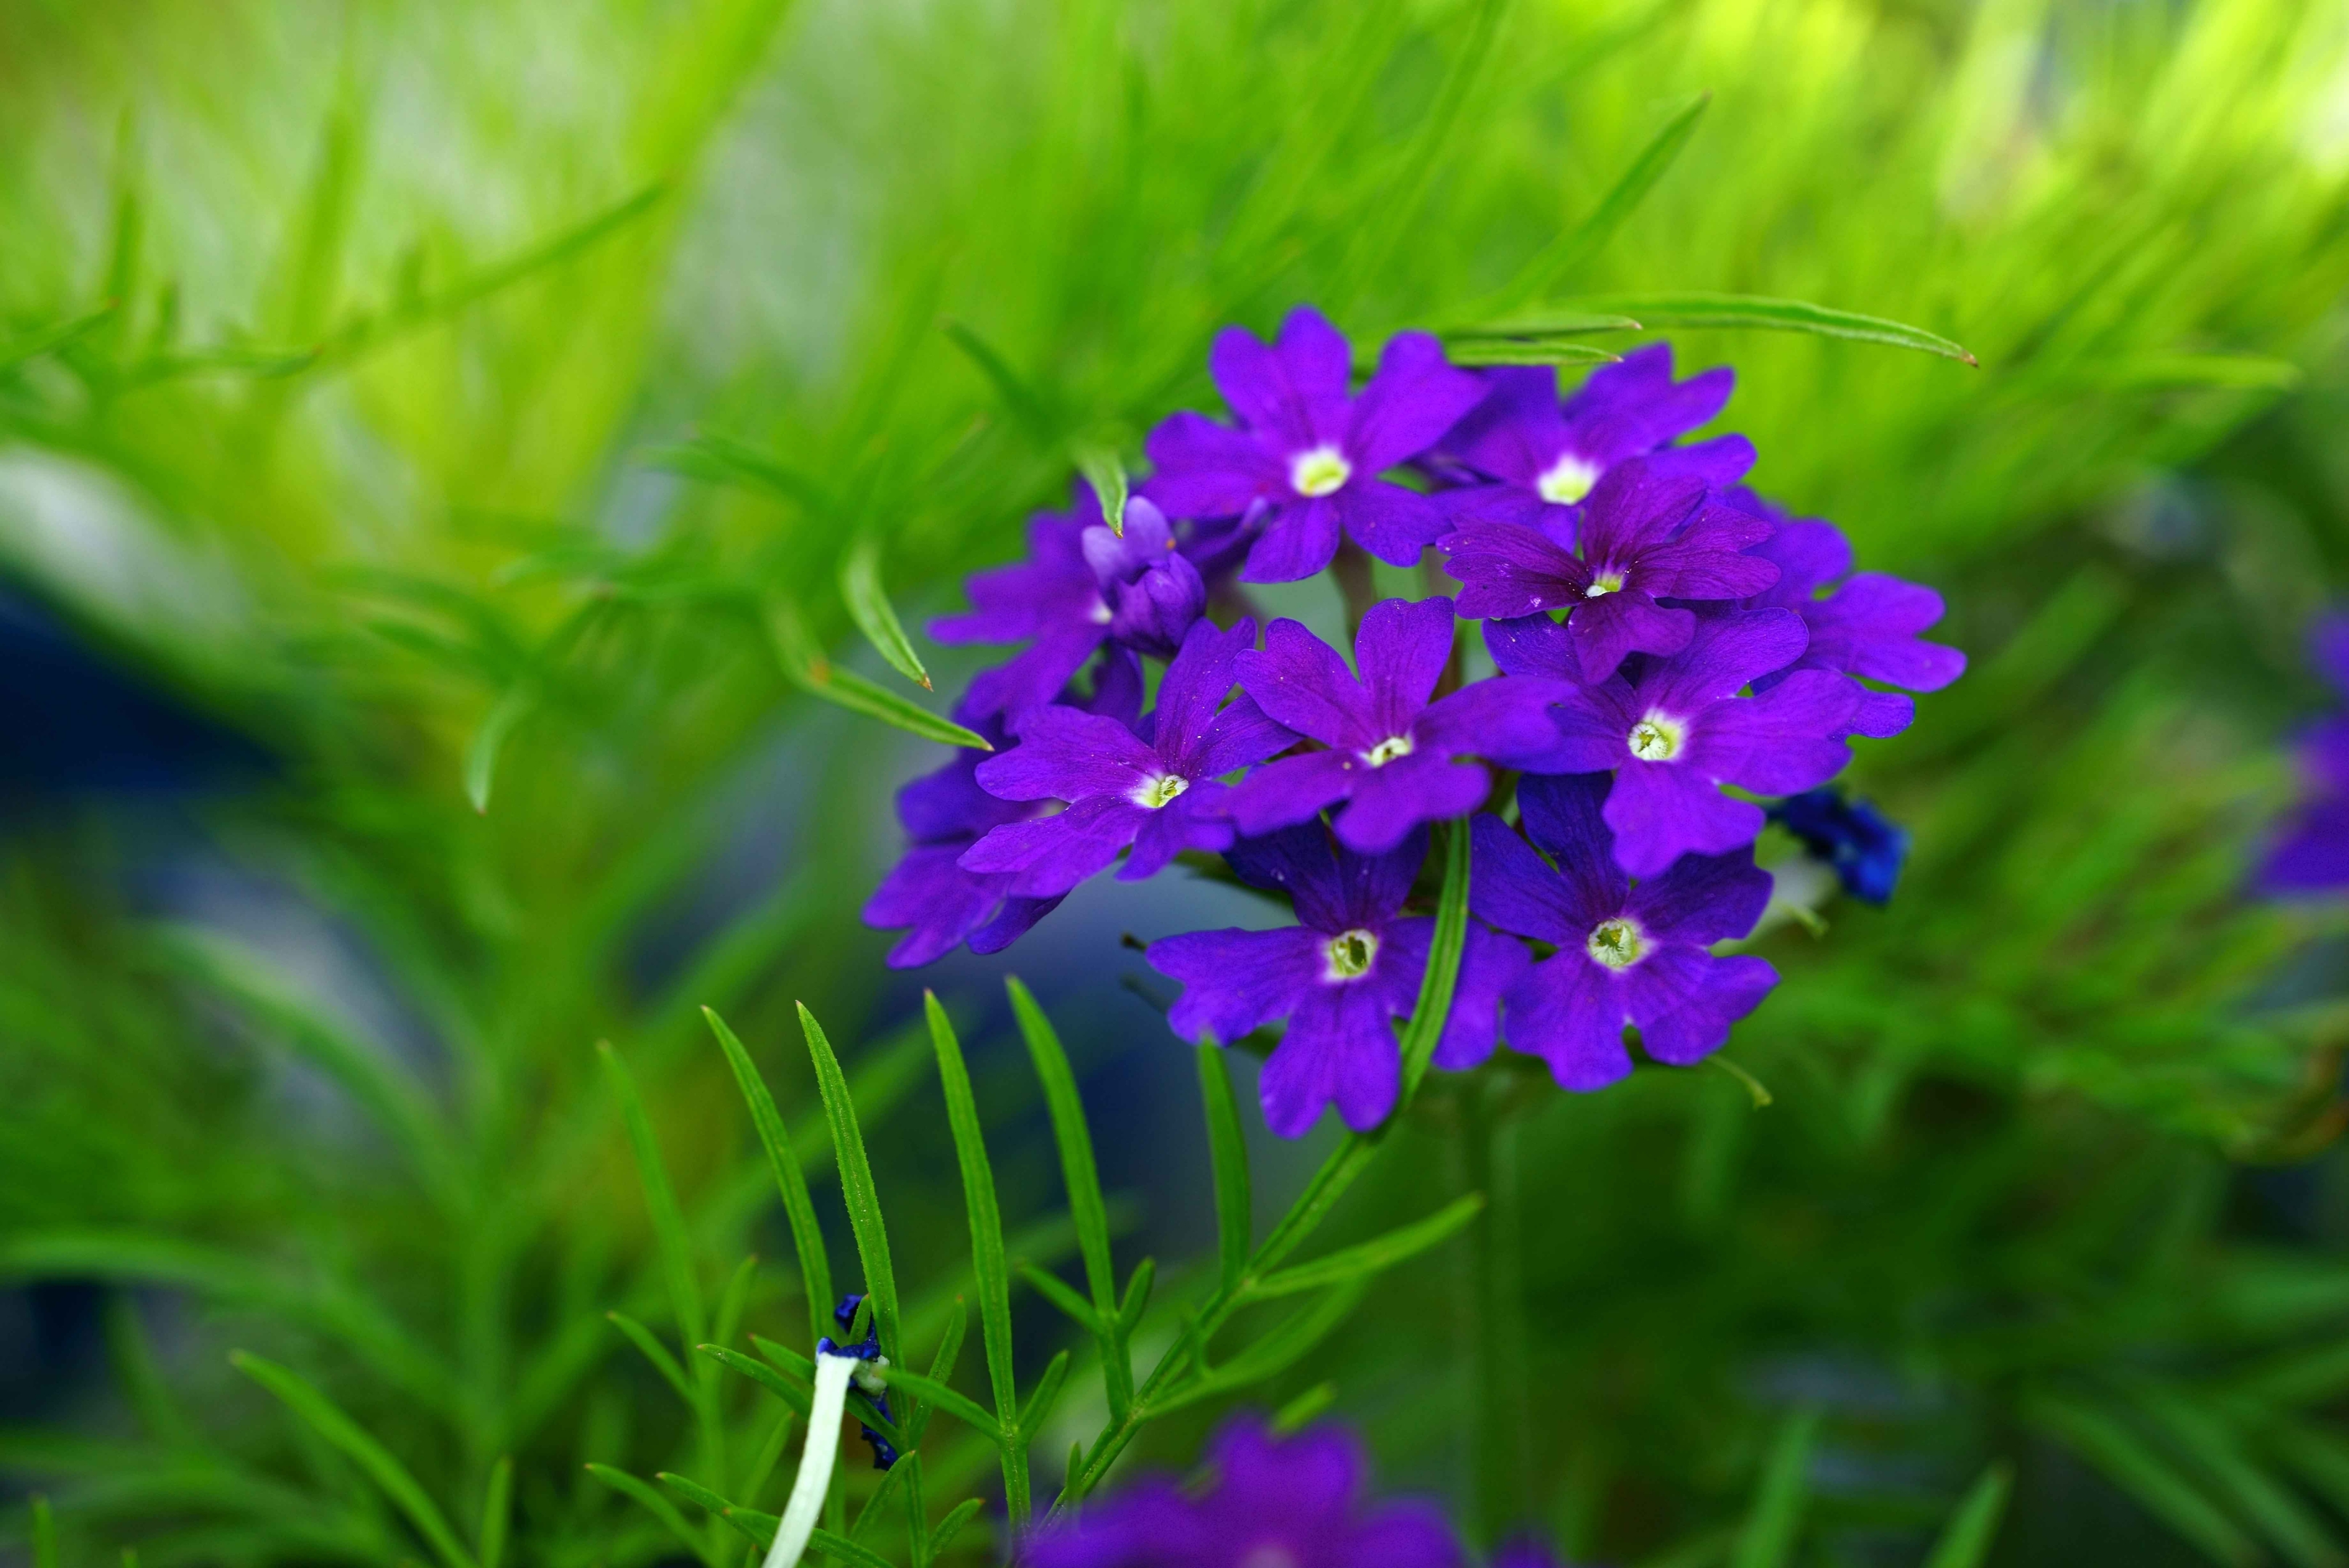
403	403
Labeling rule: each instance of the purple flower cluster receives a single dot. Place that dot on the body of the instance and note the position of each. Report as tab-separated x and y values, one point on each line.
1658	633
2310	858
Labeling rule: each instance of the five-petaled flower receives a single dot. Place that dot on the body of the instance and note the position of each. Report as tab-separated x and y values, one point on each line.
1392	745
1158	790
1678	730
1644	536
1626	953
1304	462
1351	964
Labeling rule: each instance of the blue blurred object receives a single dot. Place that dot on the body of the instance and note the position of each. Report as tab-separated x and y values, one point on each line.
1865	847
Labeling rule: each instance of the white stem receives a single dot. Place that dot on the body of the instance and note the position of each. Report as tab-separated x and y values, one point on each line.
791	1532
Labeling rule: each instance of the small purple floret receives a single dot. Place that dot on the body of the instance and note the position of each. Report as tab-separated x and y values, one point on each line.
2310	857
1626	954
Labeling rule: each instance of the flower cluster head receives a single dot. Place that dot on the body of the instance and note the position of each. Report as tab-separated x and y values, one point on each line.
1273	1502
1670	654
2310	855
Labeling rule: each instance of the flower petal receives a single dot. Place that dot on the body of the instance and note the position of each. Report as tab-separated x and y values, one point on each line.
1684	1001
1514	888
1662	811
1303	683
1569	1012
1565	814
1511	570
1299	539
1293	790
1415	396
1607	628
1704	899
1395	525
1066	754
1387	802
1236	981
1202	469
1339	1050
1725	655
1784	741
1401	651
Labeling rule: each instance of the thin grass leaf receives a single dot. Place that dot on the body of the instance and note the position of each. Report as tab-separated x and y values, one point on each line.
1965	1540
1043	1397
790	1360
661	1509
654	1351
497	1513
661	1200
799	1398
57	335
791	1182
769	1455
1542	323
868	1516
1228	1151
857	1185
481	753
1300	1412
321	1415
2158	1486
952	1525
804	665
869	608
1138	1285
1435	990
942	1368
1756	1090
1049	1286
961	1407
1714	311
1104	472
917	1513
2258	1497
1271	1355
1370	1257
731	1300
45	1533
988	1260
693	1492
1529	351
723	459
1767	1539
759	1528
1025	404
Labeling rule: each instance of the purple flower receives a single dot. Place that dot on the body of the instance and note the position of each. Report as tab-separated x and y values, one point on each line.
1865	846
1305	457
1867	626
1678	728
2310	855
1351	964
1082	586
1276	1502
1521	438
1625	954
1391	753
1157	791
1644	536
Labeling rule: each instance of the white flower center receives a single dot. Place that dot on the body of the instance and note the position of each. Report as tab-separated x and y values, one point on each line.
1388	749
1657	738
1612	583
1318	471
1566	481
1155	793
1350	954
1101	612
1618	943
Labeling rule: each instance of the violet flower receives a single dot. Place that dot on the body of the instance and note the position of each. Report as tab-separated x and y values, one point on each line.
1625	954
1522	440
1080	587
1352	965
2310	855
1867	626
1276	1502
1644	535
1305	458
1865	847
1158	790
1393	754
1678	728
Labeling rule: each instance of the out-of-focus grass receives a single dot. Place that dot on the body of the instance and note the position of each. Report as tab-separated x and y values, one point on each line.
399	367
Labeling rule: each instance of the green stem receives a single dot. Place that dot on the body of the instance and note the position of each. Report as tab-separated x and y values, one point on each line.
1500	1423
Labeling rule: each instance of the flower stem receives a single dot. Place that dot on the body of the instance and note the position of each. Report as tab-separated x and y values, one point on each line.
1500	1433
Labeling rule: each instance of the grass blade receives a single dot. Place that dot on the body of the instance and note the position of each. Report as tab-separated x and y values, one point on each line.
1026	405
1427	1019
1078	1310
857	1185
942	1369
654	1351
791	1182
660	1508
952	1525
961	1407
869	608
1372	1256
1046	1394
1965	1540
1273	1354
497	1513
985	1221
661	1199
1083	1181
322	1416
481	754
1529	351
1556	261
1227	1151
2157	1485
765	1376
804	665
1767	1541
1755	311
45	1533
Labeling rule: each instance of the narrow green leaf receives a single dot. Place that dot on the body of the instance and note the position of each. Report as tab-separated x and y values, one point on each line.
1965	1540
731	1300
804	665
48	339
769	1455
1542	323
799	1366
1530	352
1755	311
1271	1355
654	1351
693	1492
1370	1257
1434	1005
988	1260
1106	474
869	608
2266	1502
857	1185
1048	1285
2158	1486
321	1415
1043	1397
721	459
45	1533
961	1407
791	1182
1025	403
1300	1412
761	1530
1228	1151
942	1368
660	1201
481	754
952	1525
497	1513
917	1513
1756	1090
765	1376
1137	1296
1556	261
871	1514
1767	1539
660	1508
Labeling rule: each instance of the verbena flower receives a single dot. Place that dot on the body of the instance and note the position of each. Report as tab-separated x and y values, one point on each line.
1303	463
1157	791
1866	847
1352	965
1394	747
1867	626
868	1349
1626	953
1519	438
1673	729
1274	1502
2310	853
1081	585
1644	535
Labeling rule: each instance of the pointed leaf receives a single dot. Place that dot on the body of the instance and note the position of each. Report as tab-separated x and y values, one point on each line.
804	665
1372	1256
1435	990
857	1185
791	1182
1557	260
961	1407
1227	1150
952	1525
660	1508
869	608
2157	1485
654	1351
1529	351
1106	474
661	1200
1965	1540
988	1260
799	1398
1755	311
481	755
1767	1539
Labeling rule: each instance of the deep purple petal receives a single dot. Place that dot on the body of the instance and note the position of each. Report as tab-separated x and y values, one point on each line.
1048	856
1199	678
2311	857
1868	626
1036	676
1662	811
1415	396
1242	735
1569	1012
1388	802
1633	509
1633	407
1509	504
1514	888
1565	814
1606	629
1721	461
1395	525
1403	1535
1684	1000
1197	819
1880	715
1015	920
1065	755
1704	899
942	903
1808	553
1303	683
1726	653
1786	741
2328	650
1535	646
1298	538
1339	1050
1236	981
1706	561
1490	965
1202	469
1293	790
1504	718
1285	393
1319	364
1401	651
1310	1479
1511	570
1518	431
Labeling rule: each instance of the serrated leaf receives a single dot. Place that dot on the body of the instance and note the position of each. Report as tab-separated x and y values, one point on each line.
791	1182
1372	1256
805	667
1759	312
869	608
857	1185
1965	1540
